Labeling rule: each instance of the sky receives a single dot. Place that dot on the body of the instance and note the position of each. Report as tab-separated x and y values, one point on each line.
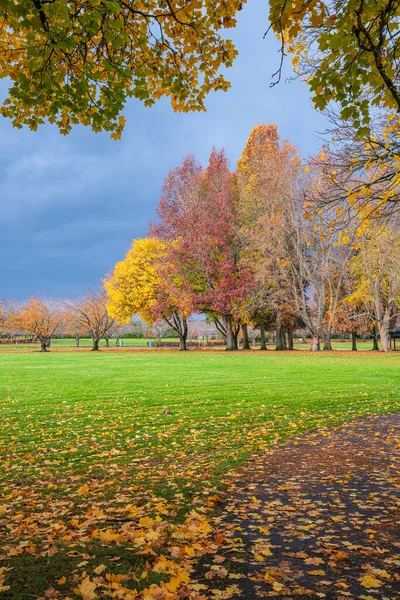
72	205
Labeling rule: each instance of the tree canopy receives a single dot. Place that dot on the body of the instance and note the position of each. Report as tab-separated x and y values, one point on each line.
348	51
78	62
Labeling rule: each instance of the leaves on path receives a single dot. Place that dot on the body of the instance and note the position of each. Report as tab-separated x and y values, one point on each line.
319	519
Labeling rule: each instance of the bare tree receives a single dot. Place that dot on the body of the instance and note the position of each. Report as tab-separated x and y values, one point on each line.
91	314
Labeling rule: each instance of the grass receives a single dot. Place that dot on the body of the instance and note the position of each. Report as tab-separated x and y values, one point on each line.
63	344
92	441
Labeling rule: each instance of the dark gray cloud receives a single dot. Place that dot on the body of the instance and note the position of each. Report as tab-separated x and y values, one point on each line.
71	205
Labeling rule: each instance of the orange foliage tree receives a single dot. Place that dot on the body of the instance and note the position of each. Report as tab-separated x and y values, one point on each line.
267	174
41	318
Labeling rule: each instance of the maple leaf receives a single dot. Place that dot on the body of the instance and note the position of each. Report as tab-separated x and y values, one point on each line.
369	581
86	589
314	561
278	587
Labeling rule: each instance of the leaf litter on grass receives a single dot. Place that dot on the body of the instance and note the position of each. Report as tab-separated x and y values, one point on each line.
111	498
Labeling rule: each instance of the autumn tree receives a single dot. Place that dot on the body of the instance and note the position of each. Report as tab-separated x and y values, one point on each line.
267	173
3	318
364	173
198	212
352	318
146	283
78	62
41	318
348	51
91	315
74	324
317	263
376	269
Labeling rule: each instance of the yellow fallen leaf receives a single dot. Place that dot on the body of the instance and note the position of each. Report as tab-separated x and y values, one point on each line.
381	573
173	584
278	587
62	580
317	572
369	581
98	570
86	589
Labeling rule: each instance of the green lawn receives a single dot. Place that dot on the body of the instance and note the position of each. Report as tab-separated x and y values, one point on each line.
62	344
94	473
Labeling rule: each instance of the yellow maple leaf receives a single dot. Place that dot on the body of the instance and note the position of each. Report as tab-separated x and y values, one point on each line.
173	584
86	589
369	581
62	580
317	572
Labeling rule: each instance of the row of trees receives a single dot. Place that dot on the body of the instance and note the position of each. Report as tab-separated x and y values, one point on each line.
275	245
253	247
44	319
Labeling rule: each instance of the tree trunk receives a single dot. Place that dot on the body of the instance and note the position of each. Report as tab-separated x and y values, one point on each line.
235	333
48	343
77	340
182	342
43	345
107	342
262	336
290	339
328	337
315	346
245	333
231	342
375	334
280	344
384	326
353	341
95	345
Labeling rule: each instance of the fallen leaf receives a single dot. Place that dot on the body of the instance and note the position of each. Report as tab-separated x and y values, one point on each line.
369	581
86	589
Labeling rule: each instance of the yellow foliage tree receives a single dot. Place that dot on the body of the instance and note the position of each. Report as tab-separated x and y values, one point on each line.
145	283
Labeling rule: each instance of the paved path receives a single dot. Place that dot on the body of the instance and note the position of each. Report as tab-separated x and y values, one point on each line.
315	518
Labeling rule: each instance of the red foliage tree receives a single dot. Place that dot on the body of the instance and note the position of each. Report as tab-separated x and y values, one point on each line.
198	212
